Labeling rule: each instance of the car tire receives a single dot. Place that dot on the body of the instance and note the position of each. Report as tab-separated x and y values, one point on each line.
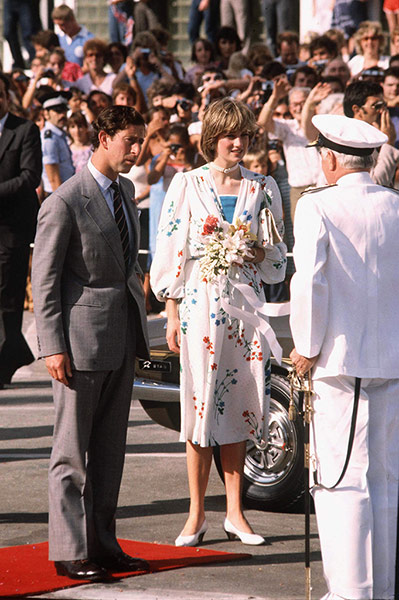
274	474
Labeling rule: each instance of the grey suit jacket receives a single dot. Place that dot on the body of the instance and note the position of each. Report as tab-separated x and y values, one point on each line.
82	293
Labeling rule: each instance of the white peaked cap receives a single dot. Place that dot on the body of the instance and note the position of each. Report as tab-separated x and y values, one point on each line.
346	135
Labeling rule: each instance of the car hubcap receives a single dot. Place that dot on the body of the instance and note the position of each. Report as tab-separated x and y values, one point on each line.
270	463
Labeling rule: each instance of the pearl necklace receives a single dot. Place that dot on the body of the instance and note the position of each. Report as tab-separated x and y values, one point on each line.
222	170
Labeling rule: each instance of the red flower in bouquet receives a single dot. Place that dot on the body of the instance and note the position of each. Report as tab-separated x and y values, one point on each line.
210	225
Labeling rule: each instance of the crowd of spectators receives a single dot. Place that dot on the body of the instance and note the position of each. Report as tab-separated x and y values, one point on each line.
351	67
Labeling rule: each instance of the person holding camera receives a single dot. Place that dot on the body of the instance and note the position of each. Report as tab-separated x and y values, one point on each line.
177	156
303	164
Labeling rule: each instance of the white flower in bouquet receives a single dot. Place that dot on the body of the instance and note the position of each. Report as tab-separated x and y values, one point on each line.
224	244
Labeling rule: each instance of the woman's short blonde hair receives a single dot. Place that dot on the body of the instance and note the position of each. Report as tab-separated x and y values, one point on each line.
376	29
224	117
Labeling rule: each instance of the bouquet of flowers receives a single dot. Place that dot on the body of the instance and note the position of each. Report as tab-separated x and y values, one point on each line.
224	244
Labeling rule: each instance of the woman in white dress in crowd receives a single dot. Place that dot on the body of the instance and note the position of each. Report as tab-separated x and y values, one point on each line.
215	323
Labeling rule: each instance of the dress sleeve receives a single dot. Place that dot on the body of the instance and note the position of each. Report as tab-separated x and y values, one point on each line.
167	273
272	268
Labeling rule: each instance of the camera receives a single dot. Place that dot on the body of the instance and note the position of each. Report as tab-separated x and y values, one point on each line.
267	88
375	74
175	147
184	104
319	65
290	72
267	85
48	73
146	52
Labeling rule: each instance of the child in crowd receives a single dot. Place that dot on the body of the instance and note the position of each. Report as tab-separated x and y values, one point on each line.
78	130
124	95
269	162
176	156
76	101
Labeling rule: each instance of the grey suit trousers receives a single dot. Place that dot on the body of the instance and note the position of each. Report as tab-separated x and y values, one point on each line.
91	418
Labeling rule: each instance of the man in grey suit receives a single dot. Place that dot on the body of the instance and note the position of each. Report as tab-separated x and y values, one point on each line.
91	322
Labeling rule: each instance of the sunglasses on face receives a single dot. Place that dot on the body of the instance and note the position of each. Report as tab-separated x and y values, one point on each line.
378	105
210	78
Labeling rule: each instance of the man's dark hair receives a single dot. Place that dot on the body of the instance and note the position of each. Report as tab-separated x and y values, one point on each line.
357	93
6	82
121	47
213	70
114	119
93	93
291	37
394	59
323	41
391	72
306	70
273	69
46	39
182	88
229	34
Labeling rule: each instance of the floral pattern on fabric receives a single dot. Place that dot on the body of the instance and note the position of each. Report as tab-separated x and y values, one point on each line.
225	363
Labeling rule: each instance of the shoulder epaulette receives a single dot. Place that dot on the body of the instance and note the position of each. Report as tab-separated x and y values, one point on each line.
318	189
48	134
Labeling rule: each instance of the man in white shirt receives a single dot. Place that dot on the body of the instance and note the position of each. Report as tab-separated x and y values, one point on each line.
364	100
303	165
345	324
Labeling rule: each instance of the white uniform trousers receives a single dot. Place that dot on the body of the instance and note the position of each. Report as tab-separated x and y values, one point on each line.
357	521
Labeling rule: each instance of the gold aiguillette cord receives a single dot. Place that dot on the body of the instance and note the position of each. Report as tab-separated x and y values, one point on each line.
303	385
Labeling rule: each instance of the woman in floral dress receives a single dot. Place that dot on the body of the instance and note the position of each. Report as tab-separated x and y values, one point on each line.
215	312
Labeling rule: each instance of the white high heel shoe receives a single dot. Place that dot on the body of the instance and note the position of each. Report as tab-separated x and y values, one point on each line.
252	539
192	540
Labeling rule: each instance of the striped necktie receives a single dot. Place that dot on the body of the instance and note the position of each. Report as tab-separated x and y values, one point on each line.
121	222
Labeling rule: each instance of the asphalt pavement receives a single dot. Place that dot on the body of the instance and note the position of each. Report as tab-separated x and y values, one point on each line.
152	507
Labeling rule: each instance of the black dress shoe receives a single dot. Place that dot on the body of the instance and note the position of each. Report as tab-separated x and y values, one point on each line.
123	563
81	569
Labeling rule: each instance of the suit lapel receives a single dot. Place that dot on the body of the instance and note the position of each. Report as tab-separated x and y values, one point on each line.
6	137
98	210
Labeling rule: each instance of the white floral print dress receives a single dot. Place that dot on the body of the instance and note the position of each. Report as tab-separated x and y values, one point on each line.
225	362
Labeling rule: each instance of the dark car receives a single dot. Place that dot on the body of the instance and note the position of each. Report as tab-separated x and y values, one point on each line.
273	472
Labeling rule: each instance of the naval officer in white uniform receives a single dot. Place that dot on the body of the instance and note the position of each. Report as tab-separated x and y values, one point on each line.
345	324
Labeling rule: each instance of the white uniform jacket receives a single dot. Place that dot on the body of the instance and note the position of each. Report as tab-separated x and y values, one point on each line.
345	292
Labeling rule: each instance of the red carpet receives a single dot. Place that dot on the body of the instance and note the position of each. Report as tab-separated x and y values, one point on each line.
26	570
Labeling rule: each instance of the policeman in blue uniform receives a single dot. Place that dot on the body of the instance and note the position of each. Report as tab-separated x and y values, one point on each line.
57	156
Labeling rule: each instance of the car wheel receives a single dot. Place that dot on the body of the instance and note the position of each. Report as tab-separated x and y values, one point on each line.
274	472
